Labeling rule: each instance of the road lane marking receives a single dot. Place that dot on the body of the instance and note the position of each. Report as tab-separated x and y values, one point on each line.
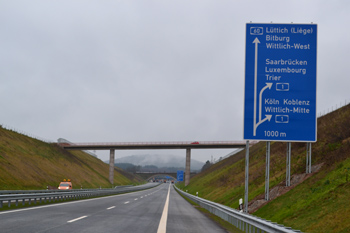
110	207
164	218
76	219
68	203
126	202
65	203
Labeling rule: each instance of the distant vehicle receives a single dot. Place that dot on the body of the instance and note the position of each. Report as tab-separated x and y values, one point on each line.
194	142
65	184
172	181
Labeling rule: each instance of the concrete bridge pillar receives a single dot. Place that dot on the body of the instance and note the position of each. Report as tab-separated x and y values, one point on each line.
111	166
188	167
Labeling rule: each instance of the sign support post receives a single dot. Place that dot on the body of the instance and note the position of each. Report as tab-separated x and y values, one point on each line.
246	177
267	172
308	158
289	148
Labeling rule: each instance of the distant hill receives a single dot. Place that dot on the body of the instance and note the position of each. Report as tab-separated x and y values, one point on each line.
27	163
160	161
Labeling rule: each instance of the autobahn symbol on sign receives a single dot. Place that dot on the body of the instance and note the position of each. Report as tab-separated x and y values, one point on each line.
280	82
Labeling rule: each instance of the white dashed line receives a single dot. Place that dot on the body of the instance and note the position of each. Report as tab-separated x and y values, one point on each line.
110	207
73	220
126	202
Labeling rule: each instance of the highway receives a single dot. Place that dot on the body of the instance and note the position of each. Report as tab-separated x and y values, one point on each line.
159	210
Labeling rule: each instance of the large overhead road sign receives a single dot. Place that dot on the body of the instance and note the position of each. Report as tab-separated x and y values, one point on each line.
280	82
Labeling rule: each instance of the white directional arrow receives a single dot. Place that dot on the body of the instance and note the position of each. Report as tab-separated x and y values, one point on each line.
256	42
267	118
268	85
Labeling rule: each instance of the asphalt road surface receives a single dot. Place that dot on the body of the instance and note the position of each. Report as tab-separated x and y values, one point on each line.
157	210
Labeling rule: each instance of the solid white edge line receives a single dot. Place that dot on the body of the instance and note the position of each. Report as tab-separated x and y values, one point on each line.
76	219
164	218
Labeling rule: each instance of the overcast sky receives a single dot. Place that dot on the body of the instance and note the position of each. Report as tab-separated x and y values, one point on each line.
133	71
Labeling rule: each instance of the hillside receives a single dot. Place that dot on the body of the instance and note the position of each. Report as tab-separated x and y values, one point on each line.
27	163
318	202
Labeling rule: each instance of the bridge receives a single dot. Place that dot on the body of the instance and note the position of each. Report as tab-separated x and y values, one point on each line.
159	175
187	145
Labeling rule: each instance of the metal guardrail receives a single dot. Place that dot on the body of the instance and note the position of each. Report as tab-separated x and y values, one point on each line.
57	190
242	221
24	196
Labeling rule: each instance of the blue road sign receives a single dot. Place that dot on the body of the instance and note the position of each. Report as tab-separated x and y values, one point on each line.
180	176
280	82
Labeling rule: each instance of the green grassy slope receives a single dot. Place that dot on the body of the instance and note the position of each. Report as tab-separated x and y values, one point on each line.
27	163
320	203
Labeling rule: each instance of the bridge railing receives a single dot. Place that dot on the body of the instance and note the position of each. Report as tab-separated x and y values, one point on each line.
242	221
158	143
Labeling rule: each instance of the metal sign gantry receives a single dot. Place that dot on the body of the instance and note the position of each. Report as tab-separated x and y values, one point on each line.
280	90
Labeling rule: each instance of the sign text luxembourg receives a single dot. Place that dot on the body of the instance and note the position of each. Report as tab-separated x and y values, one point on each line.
280	82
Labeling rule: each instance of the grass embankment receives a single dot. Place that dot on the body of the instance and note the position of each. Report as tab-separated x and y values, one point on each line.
27	163
321	203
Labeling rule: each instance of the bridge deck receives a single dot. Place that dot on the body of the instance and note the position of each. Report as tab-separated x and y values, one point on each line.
155	145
